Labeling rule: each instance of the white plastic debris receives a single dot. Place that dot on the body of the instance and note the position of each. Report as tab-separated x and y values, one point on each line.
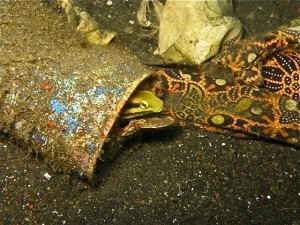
191	31
47	176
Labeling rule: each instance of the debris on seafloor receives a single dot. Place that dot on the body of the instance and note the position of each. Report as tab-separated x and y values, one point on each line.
87	26
190	32
142	14
64	103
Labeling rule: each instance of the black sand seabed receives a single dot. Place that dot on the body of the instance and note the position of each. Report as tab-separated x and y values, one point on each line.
175	176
